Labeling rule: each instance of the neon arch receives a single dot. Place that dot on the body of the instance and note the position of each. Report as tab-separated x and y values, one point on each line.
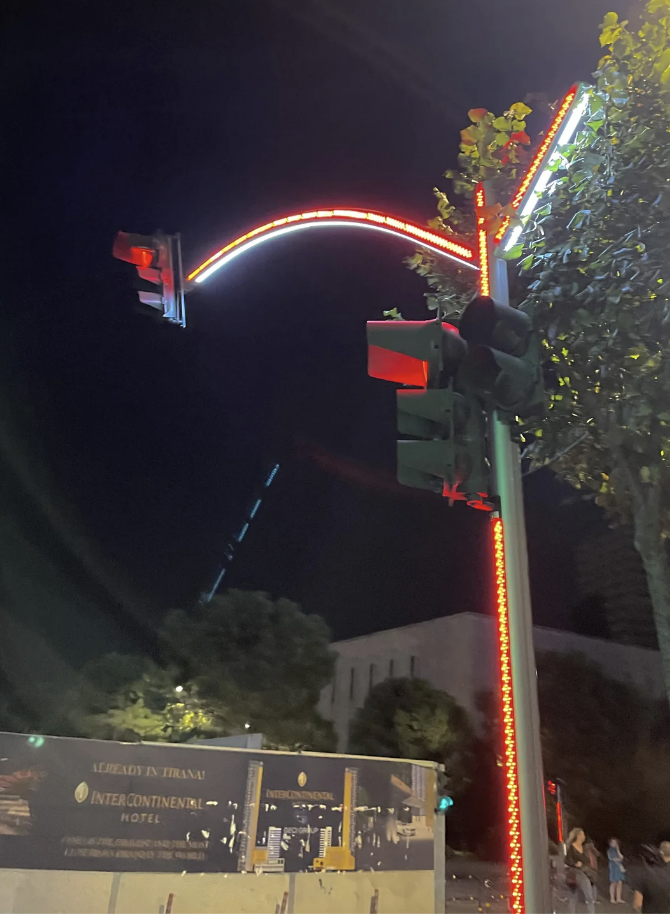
438	243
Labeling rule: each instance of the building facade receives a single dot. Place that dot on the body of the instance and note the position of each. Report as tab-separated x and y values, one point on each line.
610	568
459	655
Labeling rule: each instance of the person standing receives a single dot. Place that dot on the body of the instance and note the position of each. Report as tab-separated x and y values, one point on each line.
581	876
652	889
617	872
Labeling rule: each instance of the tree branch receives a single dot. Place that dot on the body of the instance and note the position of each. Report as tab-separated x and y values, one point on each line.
558	456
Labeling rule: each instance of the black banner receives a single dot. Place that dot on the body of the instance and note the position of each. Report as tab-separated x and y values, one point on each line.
79	804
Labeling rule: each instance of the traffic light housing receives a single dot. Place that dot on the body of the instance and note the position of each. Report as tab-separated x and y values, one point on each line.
443	445
159	281
503	361
449	456
418	353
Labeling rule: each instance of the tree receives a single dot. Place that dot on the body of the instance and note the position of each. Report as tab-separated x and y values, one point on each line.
600	293
600	737
129	698
409	718
595	280
266	660
606	741
242	662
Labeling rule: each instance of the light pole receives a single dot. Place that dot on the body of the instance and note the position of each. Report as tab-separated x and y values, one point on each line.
527	825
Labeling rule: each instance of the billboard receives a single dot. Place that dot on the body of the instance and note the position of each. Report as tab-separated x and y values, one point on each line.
75	804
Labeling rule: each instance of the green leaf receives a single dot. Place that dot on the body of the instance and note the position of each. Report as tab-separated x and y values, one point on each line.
520	110
514	253
477	114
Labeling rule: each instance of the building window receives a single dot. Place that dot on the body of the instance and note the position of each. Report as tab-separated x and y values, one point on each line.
412	666
391	668
372	677
352	683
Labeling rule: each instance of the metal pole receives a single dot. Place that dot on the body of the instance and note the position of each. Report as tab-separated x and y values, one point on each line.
507	475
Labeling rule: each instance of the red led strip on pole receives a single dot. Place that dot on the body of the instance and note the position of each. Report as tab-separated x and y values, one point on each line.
539	157
455	249
509	723
482	241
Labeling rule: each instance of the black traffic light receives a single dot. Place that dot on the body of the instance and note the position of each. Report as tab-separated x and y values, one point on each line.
503	362
449	456
443	449
159	281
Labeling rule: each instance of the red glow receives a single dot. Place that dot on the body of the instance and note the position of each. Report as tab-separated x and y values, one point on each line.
456	249
141	255
559	820
482	242
394	366
509	723
539	156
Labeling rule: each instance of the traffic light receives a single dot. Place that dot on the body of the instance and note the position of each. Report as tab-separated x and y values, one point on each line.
159	281
451	458
443	448
445	802
503	362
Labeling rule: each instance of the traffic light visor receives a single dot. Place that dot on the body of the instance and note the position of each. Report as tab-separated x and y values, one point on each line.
135	249
413	352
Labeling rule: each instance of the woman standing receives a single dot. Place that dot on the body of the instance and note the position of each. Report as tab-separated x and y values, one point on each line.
617	871
580	874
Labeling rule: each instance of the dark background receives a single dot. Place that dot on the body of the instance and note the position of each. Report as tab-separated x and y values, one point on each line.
131	449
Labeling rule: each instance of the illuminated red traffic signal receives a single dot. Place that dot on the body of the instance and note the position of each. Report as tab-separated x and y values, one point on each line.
159	282
443	448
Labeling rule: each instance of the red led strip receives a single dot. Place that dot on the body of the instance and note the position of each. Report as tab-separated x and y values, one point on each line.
414	232
482	242
539	157
509	723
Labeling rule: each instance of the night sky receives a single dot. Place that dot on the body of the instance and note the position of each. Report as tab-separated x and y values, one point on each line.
130	449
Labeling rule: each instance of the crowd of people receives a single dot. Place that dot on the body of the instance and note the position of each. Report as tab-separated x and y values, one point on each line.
649	881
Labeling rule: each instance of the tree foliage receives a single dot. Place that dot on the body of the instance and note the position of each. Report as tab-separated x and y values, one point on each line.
409	718
599	290
596	281
242	662
491	148
602	737
607	741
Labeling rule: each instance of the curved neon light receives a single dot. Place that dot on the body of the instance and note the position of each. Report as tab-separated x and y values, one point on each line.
439	244
515	863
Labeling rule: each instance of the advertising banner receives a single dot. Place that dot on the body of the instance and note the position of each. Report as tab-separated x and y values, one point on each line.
75	804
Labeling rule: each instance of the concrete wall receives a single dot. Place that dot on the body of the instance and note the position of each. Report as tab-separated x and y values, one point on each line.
59	892
459	654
